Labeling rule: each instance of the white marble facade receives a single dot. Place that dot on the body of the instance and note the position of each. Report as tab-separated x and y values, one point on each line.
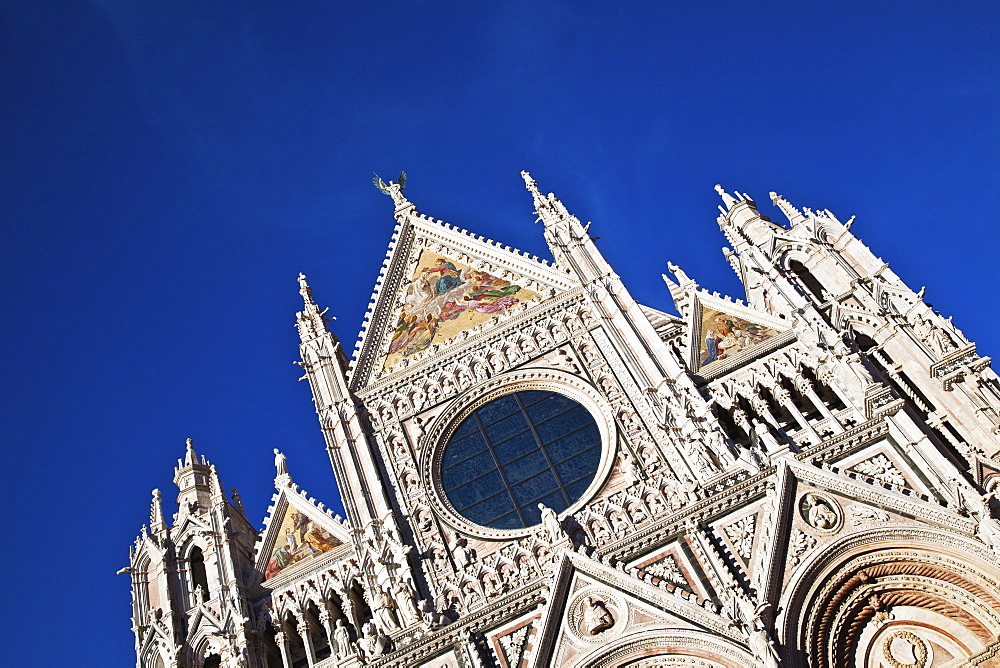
805	477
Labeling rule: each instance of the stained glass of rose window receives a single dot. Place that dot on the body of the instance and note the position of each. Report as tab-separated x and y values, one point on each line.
518	451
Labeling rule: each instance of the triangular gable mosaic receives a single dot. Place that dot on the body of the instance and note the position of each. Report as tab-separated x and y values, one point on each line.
724	336
299	537
446	297
723	332
440	284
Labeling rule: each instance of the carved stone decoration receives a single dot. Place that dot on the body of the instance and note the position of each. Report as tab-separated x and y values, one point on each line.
668	570
904	649
760	637
861	515
820	512
882	469
512	645
741	533
799	544
595	614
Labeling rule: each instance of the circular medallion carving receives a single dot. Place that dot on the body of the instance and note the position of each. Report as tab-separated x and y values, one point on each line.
903	649
596	615
821	512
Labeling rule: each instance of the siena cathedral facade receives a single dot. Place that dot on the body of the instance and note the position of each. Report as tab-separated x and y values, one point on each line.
537	470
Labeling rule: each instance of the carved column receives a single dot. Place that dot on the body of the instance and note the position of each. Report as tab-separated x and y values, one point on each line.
282	642
302	626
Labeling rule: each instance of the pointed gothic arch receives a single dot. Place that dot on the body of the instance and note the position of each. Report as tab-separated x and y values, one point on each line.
197	573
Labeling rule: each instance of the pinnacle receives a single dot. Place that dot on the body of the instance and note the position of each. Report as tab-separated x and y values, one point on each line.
190	458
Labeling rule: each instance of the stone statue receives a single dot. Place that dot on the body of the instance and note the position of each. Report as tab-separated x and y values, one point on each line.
406	600
552	529
342	639
933	336
432	617
987	527
280	463
385	609
759	639
596	616
461	553
372	642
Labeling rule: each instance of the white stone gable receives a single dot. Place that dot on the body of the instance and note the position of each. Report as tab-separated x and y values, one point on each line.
418	240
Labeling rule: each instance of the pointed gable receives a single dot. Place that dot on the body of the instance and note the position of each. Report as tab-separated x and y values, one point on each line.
439	282
722	333
296	531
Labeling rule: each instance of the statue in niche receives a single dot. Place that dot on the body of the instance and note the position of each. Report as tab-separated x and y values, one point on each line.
372	642
818	513
385	609
461	552
342	639
432	617
596	617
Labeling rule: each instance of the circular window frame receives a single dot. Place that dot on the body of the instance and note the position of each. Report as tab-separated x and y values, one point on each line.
478	396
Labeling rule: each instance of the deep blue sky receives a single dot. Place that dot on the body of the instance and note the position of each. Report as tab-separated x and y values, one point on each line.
169	167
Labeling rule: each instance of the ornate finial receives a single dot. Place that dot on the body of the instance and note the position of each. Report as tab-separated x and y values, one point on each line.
280	463
530	183
393	189
727	199
310	320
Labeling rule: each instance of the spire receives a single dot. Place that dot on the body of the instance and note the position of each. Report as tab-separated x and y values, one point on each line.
794	215
727	199
190	458
310	320
193	478
238	502
682	289
552	212
678	273
532	186
156	521
215	483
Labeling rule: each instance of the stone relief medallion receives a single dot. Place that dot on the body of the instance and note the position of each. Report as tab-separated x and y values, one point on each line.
821	512
596	615
903	649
